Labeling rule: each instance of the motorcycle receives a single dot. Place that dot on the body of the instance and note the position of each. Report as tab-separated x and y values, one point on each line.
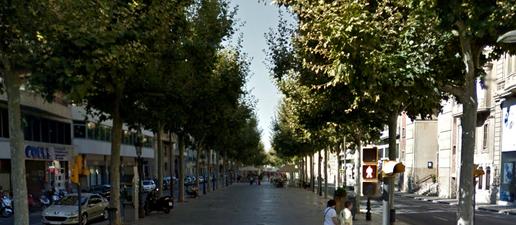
6	206
154	203
44	201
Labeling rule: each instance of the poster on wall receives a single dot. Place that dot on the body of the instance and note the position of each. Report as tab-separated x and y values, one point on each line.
508	172
509	126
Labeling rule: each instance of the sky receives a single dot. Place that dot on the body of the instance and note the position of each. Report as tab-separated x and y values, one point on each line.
256	19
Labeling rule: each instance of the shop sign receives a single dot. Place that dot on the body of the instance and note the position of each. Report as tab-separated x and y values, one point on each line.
47	153
509	125
35	152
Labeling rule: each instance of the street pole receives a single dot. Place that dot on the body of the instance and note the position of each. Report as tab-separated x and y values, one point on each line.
385	200
79	203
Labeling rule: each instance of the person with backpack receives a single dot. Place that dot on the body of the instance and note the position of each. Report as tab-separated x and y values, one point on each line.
330	215
345	216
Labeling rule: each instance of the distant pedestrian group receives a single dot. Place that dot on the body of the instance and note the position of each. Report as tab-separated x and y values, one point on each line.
344	217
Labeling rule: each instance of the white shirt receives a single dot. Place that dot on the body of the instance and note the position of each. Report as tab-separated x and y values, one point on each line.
346	217
329	213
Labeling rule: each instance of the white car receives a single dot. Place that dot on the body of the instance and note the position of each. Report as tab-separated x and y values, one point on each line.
148	185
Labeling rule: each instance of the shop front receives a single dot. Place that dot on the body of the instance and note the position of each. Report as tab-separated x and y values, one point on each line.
507	176
47	167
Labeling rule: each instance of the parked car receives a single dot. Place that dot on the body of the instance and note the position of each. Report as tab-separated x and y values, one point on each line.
65	211
148	185
103	190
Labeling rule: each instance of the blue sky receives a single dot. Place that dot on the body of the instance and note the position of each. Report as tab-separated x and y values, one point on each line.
257	18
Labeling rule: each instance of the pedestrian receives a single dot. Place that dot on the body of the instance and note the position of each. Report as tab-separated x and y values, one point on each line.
330	215
345	216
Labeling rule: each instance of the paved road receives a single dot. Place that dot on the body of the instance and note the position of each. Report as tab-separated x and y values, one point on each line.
243	204
239	204
418	212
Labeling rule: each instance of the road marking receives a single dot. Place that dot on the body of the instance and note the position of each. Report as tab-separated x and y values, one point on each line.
443	219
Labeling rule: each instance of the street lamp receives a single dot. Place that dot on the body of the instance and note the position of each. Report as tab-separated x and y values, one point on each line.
138	145
509	37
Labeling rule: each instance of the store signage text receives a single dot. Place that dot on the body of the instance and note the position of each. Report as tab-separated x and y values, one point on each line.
33	152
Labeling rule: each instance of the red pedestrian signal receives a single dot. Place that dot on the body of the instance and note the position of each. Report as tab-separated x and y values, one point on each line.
369	172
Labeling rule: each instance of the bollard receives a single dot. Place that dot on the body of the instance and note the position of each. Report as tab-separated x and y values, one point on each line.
368	213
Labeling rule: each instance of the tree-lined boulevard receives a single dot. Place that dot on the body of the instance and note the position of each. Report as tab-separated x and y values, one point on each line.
346	71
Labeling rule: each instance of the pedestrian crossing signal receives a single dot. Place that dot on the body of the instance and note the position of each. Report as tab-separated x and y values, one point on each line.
369	189
370	155
369	172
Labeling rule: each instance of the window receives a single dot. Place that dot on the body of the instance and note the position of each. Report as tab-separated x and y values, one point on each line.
91	131
79	129
480	180
27	132
484	139
52	131
36	129
488	178
44	131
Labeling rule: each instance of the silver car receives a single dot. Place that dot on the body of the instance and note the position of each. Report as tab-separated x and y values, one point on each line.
66	210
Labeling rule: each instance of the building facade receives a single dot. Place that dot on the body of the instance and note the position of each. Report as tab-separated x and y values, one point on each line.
48	144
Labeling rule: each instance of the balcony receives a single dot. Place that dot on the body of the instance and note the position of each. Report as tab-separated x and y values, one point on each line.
510	86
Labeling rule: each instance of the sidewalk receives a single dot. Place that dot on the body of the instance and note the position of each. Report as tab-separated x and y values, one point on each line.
376	219
502	209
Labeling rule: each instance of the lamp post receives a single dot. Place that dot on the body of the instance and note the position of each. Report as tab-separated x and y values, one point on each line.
508	38
138	145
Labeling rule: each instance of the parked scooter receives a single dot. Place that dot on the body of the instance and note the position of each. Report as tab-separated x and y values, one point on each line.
44	201
155	203
6	206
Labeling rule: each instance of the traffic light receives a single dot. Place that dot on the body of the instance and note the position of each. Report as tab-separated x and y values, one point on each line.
74	178
370	155
477	172
369	188
369	172
78	162
390	168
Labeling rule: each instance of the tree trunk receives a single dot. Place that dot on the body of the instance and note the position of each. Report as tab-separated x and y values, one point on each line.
208	170
319	176
172	168
326	172
181	178
115	159
12	85
301	172
217	171
312	172
465	213
358	175
198	166
345	179
161	159
389	181
224	168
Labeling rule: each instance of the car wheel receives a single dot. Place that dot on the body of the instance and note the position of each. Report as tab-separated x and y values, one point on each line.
84	220
106	214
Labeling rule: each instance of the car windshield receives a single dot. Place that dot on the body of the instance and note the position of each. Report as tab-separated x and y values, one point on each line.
146	182
71	200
